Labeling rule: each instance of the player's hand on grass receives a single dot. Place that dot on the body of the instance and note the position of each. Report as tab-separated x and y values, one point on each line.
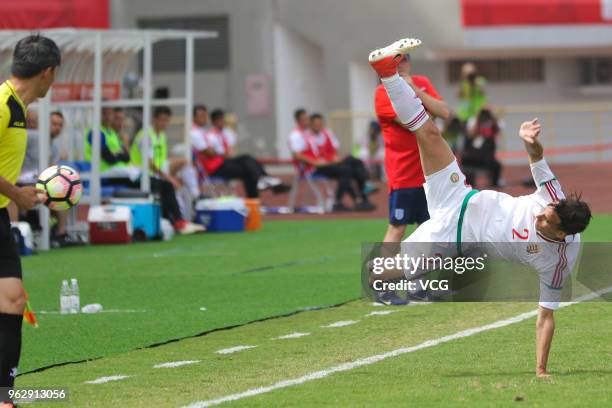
529	131
543	375
27	197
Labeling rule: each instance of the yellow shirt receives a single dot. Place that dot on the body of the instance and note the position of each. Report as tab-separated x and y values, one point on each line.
13	137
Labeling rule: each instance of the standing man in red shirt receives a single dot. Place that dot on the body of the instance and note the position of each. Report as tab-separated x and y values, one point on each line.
407	203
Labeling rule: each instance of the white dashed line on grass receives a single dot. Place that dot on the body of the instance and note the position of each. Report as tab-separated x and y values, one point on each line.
380	357
103	380
291	336
174	364
341	323
234	349
381	312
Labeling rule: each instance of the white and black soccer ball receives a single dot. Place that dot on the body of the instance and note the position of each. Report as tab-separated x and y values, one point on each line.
62	185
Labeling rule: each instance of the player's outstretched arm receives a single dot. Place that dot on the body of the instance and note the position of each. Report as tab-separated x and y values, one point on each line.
529	132
545	329
549	188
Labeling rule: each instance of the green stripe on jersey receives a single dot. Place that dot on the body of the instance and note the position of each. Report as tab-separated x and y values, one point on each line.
461	215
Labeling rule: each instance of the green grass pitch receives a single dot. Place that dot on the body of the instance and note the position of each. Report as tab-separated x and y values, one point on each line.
157	292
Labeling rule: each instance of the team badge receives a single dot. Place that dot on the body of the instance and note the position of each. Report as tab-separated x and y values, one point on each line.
533	248
454	177
399	213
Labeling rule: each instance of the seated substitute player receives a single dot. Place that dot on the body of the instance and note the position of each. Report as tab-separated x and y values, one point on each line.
460	214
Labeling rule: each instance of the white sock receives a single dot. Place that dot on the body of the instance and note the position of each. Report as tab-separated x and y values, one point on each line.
408	107
189	176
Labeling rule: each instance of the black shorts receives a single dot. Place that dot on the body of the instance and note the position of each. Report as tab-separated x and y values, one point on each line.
408	206
10	264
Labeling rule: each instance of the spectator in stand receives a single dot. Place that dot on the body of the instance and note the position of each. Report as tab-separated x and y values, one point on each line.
407	203
115	163
317	149
472	96
480	146
453	133
214	152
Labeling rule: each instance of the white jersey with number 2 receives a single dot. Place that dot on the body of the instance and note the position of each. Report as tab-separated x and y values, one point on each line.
497	218
502	222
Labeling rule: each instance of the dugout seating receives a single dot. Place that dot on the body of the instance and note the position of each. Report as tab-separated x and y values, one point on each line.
212	185
324	196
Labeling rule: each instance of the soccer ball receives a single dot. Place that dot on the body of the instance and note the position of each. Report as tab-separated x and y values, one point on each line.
62	185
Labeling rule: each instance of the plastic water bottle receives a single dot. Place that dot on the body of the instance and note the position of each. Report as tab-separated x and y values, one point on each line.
65	299
75	298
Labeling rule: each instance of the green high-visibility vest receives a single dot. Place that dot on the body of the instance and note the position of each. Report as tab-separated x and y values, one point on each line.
472	100
112	142
158	145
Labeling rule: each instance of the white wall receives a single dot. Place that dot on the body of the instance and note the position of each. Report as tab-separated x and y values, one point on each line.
363	82
298	73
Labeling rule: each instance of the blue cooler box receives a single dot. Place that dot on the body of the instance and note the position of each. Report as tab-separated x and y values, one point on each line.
221	214
146	215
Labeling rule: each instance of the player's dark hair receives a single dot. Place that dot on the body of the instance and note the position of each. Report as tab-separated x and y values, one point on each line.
216	114
316	116
298	112
574	214
34	54
197	108
161	110
57	113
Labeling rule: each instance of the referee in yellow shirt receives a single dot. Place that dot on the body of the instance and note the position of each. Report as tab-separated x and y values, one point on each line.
32	73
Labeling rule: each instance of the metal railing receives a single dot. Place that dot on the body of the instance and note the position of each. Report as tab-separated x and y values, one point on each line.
571	132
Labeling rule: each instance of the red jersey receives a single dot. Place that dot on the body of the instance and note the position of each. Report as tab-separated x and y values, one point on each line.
402	160
323	145
328	150
214	139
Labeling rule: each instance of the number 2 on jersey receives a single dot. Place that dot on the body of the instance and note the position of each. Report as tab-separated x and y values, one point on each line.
516	234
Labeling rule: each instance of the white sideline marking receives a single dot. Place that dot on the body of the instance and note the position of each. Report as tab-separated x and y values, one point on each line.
409	304
174	364
291	336
101	311
234	349
103	380
341	323
381	312
380	357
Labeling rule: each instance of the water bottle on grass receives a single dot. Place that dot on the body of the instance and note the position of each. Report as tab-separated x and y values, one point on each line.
65	299
75	297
